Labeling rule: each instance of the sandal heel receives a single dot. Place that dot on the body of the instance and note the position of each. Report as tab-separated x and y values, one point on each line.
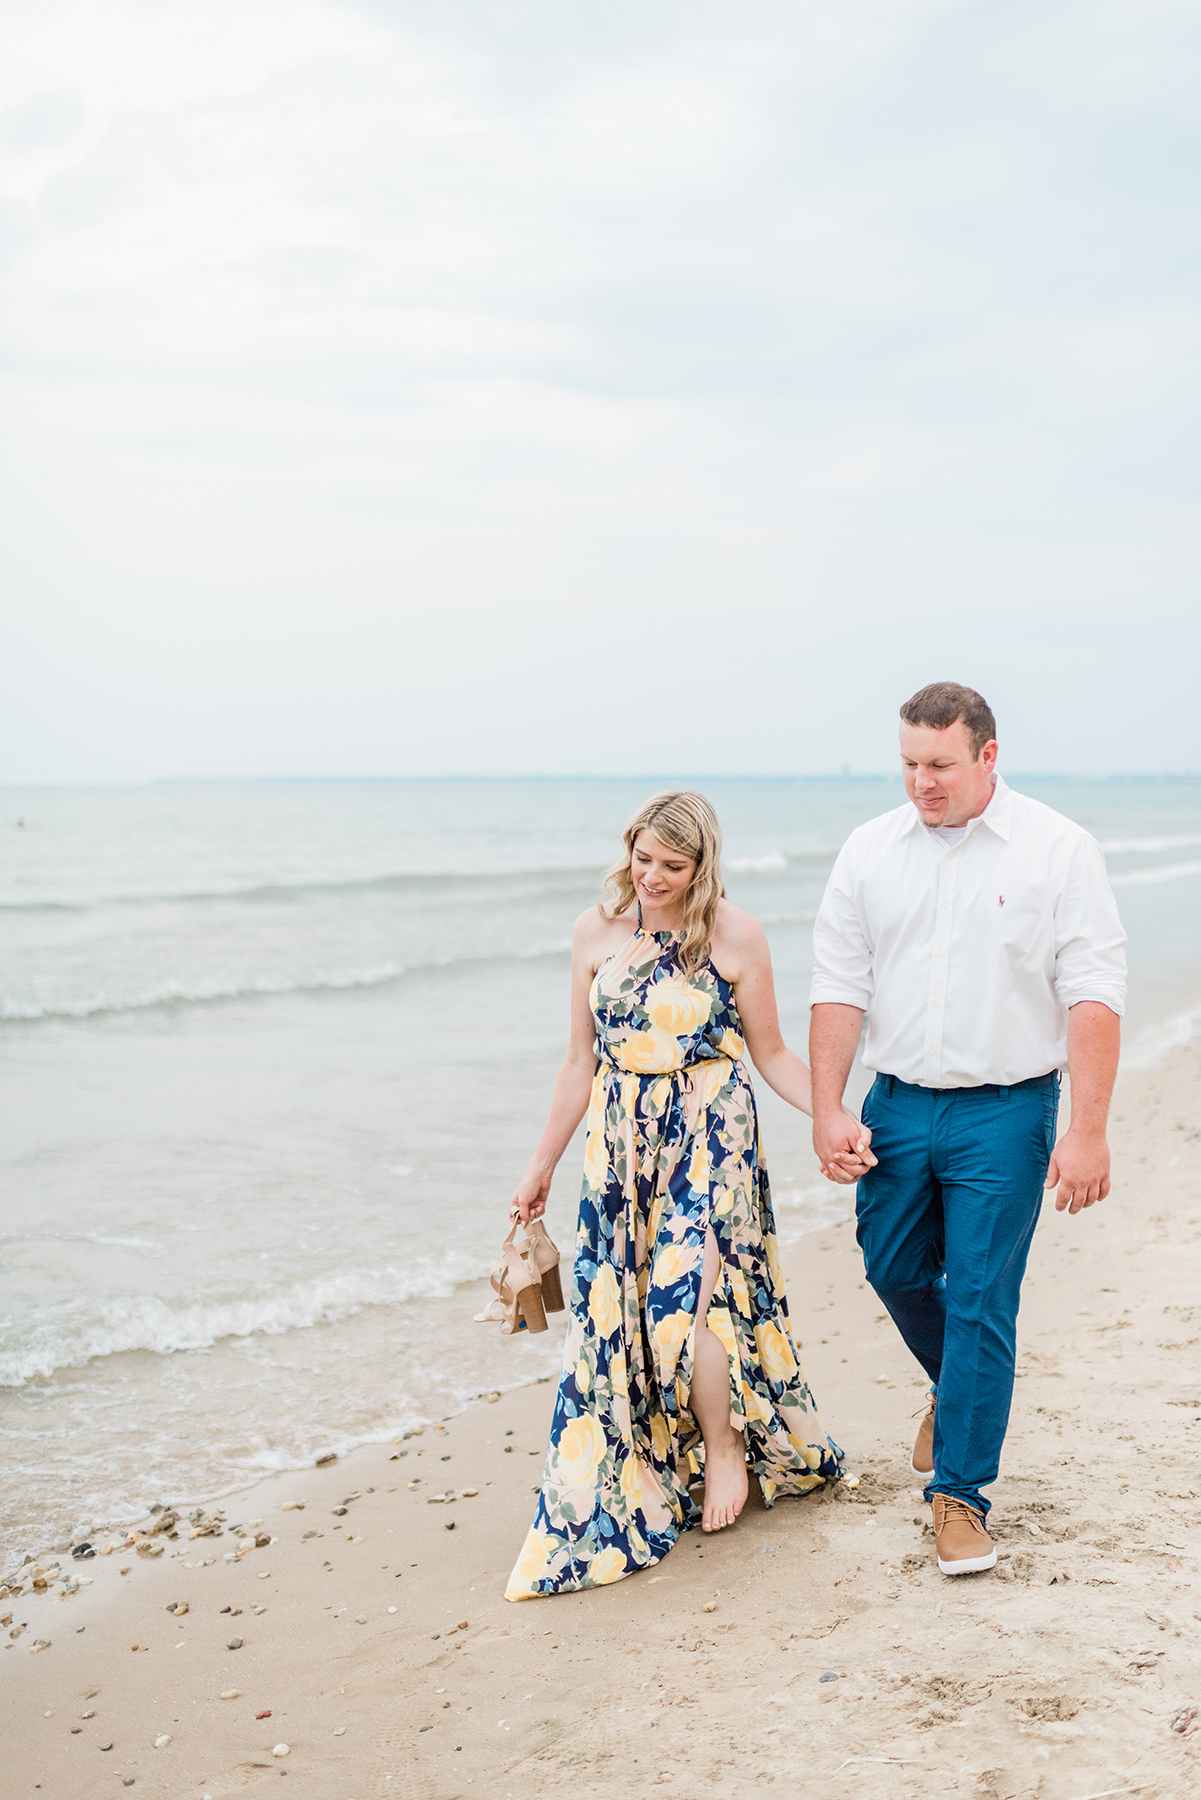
552	1290
529	1303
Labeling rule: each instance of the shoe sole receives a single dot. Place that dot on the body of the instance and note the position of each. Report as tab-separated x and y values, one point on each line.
971	1565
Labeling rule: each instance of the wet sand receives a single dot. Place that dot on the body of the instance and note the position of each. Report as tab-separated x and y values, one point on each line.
376	1645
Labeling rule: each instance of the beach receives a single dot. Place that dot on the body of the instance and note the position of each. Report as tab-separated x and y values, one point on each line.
811	1648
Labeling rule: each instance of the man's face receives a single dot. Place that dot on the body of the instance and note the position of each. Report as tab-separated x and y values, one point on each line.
946	783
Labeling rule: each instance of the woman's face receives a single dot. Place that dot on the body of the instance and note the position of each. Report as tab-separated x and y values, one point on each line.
661	876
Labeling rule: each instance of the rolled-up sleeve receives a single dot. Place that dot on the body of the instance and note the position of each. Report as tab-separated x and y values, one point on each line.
842	955
1090	944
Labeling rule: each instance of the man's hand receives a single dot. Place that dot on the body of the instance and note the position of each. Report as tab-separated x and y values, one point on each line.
1079	1167
842	1146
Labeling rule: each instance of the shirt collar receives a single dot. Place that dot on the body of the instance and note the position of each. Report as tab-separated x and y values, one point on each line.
997	815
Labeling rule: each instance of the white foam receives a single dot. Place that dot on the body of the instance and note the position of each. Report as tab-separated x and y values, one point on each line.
1158	1041
1117	846
86	1330
1150	877
757	865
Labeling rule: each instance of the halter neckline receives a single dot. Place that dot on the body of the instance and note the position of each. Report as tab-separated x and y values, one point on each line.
642	932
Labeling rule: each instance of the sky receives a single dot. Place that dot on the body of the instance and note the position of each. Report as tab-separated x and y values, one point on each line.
401	387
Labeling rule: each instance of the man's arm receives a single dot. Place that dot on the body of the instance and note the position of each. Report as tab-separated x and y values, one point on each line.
833	1040
1080	1162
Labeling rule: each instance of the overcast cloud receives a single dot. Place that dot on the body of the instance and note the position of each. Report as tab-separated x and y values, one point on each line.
403	388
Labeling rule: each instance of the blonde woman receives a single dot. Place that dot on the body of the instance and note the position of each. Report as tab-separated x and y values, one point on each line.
679	1357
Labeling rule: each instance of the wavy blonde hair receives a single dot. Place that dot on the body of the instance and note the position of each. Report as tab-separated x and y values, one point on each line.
687	824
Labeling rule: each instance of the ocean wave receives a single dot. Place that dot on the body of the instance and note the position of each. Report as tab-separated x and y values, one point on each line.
1117	846
204	993
1158	1041
1150	877
83	1331
757	865
266	892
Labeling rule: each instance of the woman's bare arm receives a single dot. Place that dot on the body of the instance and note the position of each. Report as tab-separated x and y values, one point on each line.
742	955
573	1086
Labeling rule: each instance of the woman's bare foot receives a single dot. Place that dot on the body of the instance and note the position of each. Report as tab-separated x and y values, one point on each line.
725	1484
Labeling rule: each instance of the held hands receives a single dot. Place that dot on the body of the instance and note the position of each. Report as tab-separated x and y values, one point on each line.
842	1146
529	1202
1079	1167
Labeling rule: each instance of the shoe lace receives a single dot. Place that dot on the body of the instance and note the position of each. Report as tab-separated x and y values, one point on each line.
959	1509
924	1412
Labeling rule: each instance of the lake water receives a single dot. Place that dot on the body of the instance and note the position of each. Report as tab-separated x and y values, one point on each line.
274	1056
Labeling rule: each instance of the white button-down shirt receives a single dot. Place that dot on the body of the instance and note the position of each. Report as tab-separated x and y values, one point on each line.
966	960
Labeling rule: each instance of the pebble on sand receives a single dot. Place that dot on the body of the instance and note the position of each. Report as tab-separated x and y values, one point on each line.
282	1750
710	1606
234	1644
450	1524
263	1715
162	1740
327	1456
231	1694
292	1506
41	1643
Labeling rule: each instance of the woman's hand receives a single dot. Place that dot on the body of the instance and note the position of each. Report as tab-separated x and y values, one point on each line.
529	1202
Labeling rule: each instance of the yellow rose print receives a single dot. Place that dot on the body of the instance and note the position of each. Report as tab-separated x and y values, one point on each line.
651	1052
730	1044
596	1156
775	1352
672	1262
660	1436
578	1454
609	1566
631	1483
604	1307
700	1165
671	1331
736	1282
678	1009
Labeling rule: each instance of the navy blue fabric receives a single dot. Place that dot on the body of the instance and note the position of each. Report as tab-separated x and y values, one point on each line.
945	1224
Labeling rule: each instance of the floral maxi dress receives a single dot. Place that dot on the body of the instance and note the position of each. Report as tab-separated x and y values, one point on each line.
672	1148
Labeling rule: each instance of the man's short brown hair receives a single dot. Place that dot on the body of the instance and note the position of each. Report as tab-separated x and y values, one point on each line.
944	703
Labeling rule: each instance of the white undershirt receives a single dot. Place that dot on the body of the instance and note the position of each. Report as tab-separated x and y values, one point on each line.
949	834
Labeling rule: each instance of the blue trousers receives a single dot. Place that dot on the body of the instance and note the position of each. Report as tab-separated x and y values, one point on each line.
945	1223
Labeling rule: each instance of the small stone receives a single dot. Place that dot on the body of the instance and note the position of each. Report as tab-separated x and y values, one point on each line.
327	1456
234	1644
284	1749
309	1534
139	1646
392	1609
128	1781
88	1715
178	1608
850	1481
163	1739
83	1550
340	1511
262	1540
41	1643
263	1715
450	1524
292	1506
264	1574
710	1606
231	1694
828	1676
339	1731
469	1493
148	1547
360	1620
106	1746
259	1611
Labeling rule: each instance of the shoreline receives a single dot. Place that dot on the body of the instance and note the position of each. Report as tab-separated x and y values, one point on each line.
376	1643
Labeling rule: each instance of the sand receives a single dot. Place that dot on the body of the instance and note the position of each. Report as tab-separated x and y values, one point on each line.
377	1647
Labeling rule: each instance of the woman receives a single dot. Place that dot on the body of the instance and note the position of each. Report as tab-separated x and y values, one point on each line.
679	1353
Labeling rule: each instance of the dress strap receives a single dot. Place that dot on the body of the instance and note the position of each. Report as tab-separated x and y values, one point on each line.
639	904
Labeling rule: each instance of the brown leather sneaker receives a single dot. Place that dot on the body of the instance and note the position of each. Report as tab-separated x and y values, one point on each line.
963	1545
922	1460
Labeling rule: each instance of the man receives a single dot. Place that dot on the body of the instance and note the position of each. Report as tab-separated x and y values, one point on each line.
977	930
